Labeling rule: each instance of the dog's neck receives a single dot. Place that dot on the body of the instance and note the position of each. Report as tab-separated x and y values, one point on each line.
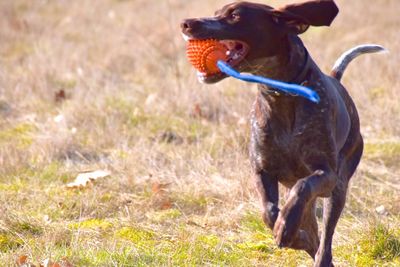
287	65
291	65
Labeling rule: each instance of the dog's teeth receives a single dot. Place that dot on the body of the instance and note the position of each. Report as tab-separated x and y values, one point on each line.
185	37
201	77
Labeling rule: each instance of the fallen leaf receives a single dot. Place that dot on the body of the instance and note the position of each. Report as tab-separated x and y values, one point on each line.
18	24
59	118
21	260
242	121
150	100
85	178
166	204
80	71
158	187
155	188
59	96
46	219
66	263
161	197
48	263
45	263
381	210
197	112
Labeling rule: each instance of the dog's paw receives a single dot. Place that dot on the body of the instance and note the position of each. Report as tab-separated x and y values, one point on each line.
288	223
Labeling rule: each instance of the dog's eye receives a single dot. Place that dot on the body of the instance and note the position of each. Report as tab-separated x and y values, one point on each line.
234	15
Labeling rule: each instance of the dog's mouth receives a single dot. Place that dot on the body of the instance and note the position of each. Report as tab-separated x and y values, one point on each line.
236	53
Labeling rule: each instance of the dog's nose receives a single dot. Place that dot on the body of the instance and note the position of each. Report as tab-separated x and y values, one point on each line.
184	25
191	24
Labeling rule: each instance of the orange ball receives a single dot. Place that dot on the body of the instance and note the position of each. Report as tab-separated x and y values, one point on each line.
204	55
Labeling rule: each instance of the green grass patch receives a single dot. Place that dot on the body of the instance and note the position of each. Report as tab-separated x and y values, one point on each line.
387	149
64	84
376	93
14	186
187	248
190	202
253	222
386	246
9	242
19	49
388	152
203	250
91	224
91	256
135	118
164	215
26	228
377	247
135	235
38	172
20	134
187	128
50	172
259	237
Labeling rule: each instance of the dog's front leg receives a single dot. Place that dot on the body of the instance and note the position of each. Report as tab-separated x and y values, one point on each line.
319	184
267	187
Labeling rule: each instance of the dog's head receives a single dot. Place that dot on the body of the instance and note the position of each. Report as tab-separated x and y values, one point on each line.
253	31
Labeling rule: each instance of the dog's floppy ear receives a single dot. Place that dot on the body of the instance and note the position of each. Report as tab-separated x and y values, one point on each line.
298	17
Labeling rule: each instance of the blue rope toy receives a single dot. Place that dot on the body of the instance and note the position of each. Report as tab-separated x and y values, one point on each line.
288	88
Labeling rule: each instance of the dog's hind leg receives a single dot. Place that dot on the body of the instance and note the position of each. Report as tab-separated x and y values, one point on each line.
334	205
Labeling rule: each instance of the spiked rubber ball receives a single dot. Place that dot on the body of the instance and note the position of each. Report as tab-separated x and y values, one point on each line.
204	55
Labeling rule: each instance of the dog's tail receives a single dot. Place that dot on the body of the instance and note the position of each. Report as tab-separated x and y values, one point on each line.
348	56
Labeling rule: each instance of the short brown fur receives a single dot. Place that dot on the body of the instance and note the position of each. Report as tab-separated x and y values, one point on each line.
313	149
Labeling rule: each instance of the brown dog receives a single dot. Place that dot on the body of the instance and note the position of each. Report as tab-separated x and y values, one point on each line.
313	149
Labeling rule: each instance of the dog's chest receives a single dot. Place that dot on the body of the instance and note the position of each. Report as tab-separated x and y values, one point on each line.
273	150
272	140
280	141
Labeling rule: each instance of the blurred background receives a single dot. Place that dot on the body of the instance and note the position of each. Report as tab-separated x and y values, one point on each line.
105	84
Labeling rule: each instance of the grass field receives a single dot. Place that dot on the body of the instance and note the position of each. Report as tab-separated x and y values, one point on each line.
105	85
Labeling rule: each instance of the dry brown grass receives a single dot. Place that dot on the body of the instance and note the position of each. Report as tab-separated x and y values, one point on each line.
130	107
